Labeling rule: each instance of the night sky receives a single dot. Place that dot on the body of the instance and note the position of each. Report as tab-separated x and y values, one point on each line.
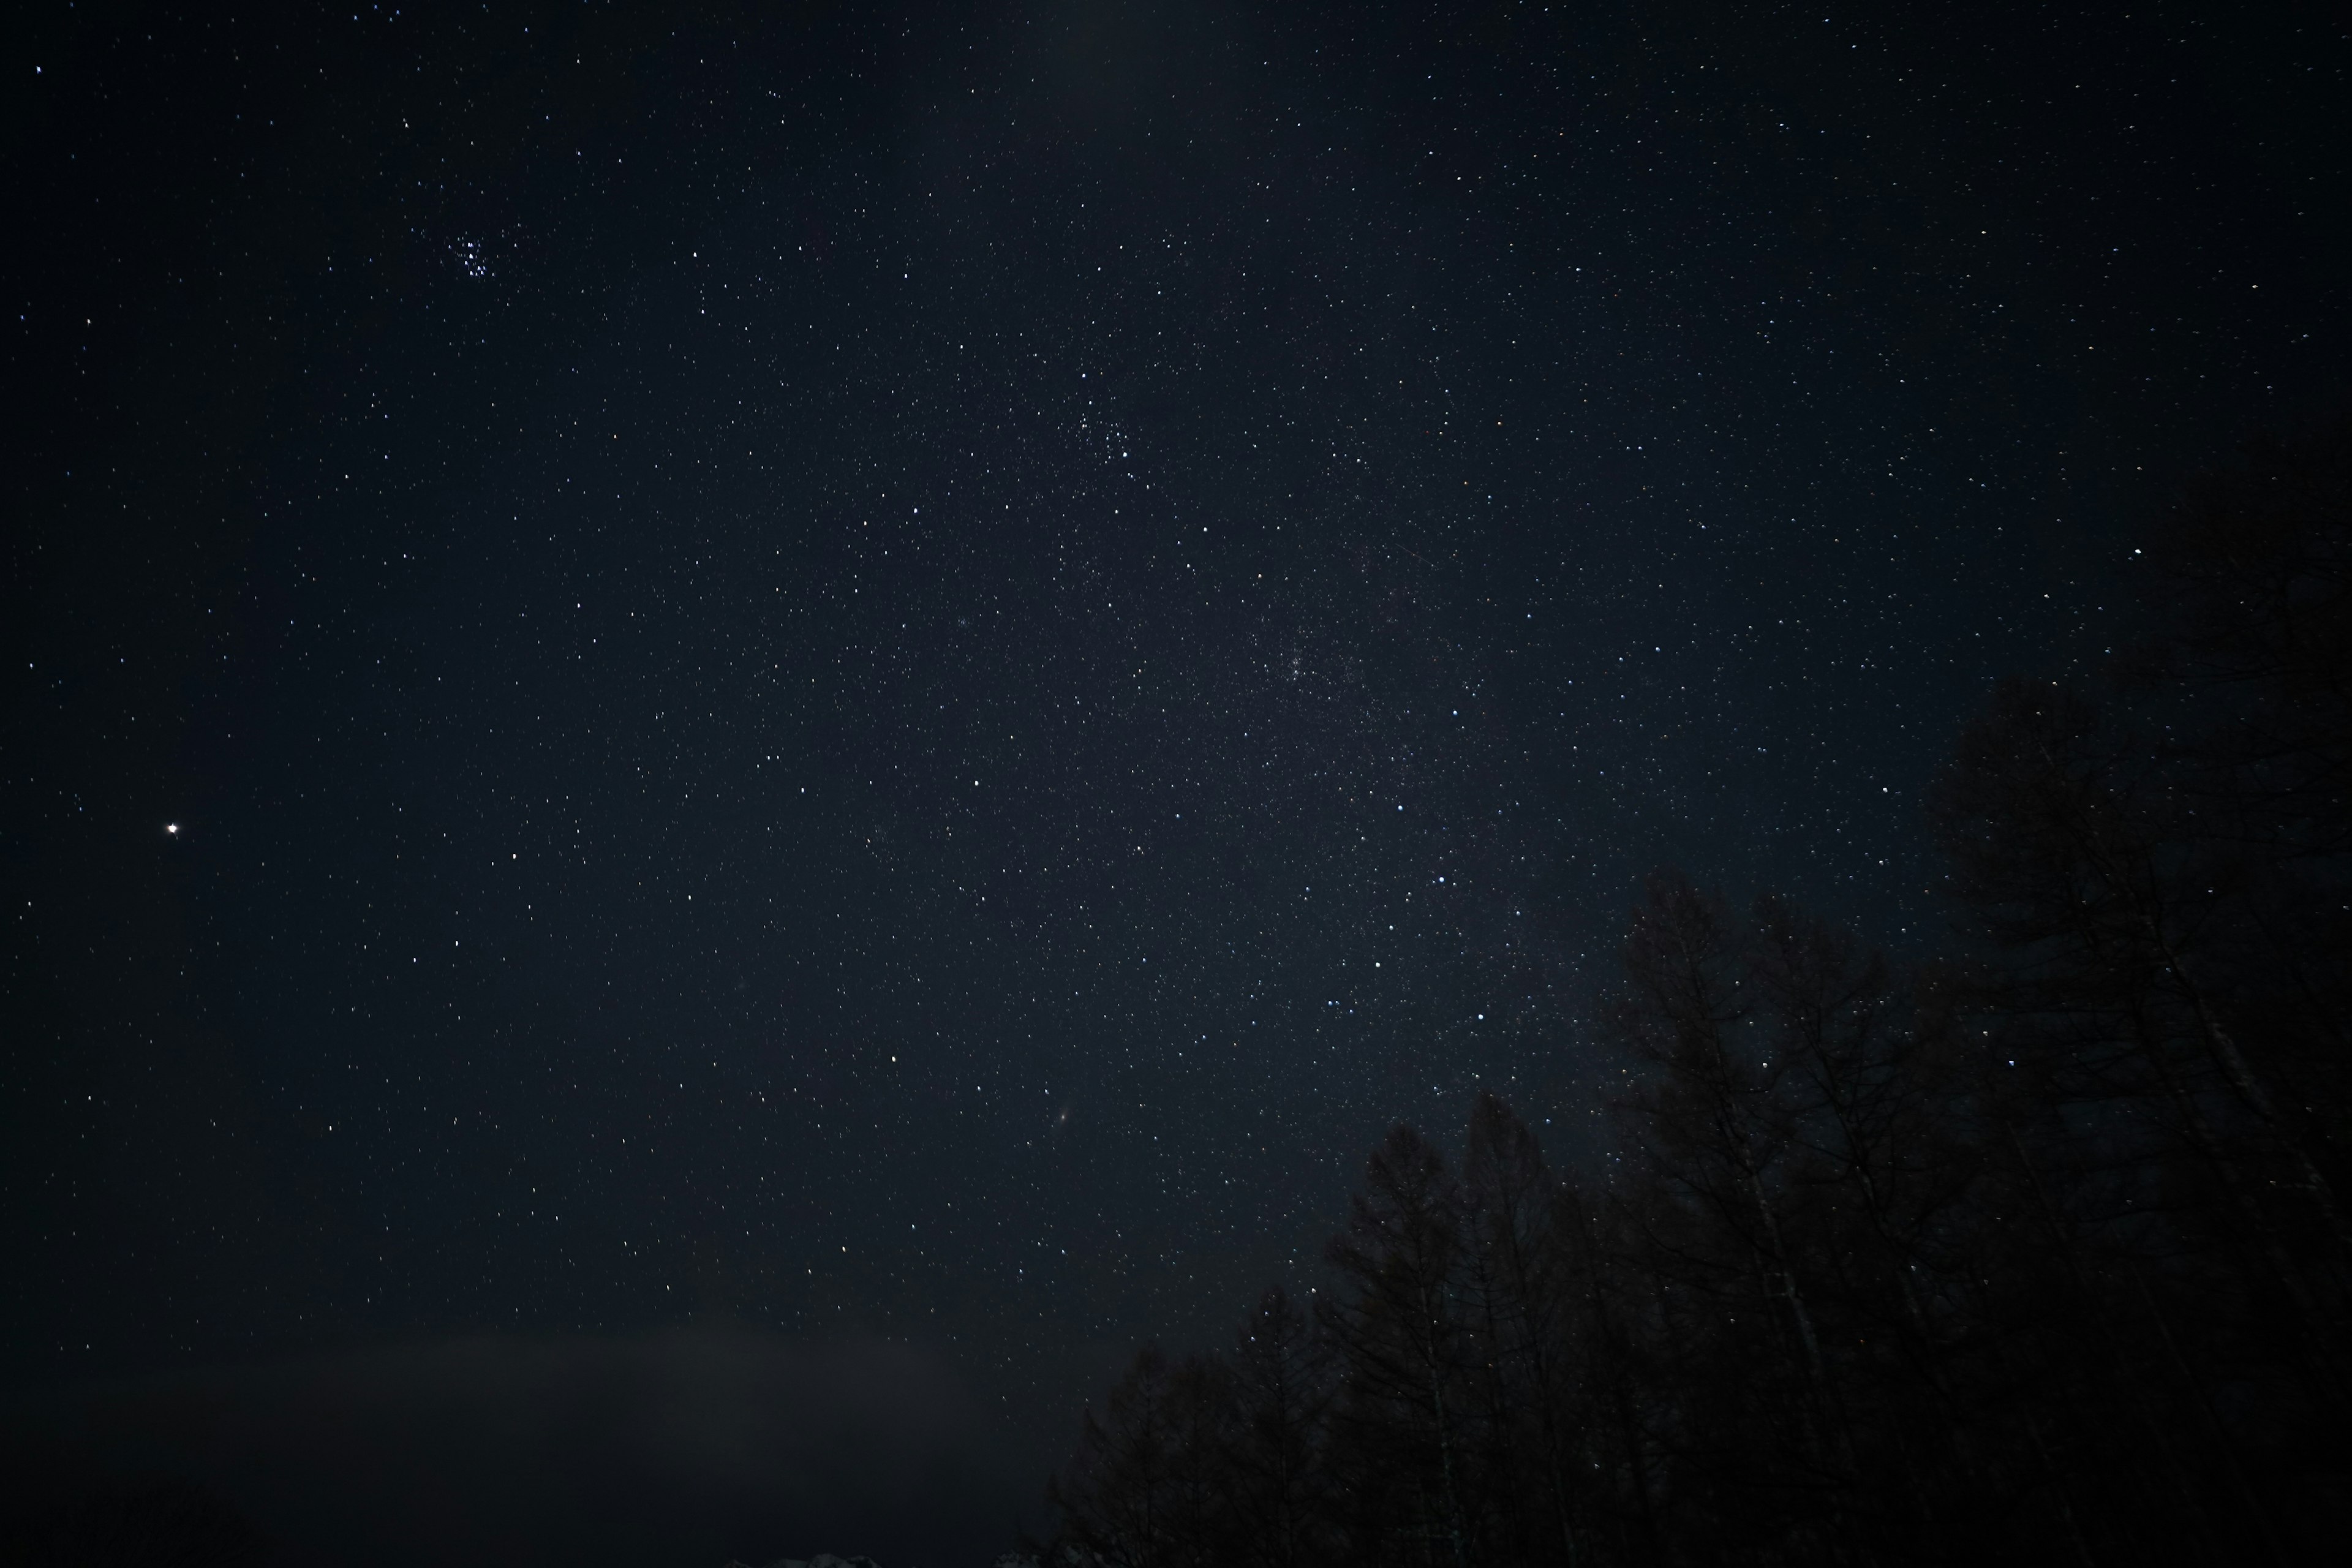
736	734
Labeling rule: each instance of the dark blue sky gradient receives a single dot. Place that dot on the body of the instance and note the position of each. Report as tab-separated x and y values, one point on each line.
904	677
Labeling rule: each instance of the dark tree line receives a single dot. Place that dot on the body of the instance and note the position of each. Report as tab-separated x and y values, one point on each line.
2036	1252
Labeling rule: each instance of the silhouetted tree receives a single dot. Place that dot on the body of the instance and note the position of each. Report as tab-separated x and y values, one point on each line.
2035	1253
1114	1496
1282	1398
1718	1138
1398	1331
1524	1327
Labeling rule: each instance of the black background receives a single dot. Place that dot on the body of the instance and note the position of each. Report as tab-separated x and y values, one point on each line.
849	696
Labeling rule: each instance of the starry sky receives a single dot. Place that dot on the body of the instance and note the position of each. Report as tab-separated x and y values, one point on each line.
865	690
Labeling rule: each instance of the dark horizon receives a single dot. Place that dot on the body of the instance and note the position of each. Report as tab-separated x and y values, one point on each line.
738	736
